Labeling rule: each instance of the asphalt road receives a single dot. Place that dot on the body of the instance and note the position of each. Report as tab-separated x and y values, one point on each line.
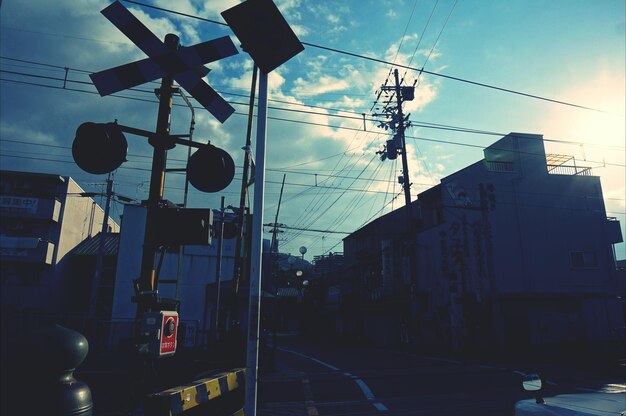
320	378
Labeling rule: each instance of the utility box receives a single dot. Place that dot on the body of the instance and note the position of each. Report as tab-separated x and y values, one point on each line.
183	226
159	330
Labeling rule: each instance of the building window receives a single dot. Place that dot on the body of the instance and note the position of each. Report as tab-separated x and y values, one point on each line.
500	166
583	259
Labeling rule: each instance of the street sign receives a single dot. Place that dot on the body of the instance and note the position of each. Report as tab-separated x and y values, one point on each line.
159	332
263	32
185	65
169	327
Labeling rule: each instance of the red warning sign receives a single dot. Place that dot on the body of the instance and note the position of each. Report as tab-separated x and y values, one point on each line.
169	327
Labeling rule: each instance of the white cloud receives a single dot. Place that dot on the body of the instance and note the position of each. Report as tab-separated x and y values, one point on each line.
19	132
321	85
213	8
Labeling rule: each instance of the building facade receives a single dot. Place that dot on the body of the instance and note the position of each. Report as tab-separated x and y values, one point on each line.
512	251
42	218
196	275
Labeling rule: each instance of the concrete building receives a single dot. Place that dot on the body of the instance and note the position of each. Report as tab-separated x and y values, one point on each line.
190	278
42	218
514	250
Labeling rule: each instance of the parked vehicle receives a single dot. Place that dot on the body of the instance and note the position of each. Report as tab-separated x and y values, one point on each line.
576	404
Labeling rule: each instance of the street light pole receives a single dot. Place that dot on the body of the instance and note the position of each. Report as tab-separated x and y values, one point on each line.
254	315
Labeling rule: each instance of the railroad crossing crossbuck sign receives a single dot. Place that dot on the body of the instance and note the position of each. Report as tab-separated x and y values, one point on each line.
185	65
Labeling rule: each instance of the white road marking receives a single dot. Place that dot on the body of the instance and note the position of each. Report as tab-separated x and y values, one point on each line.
381	407
364	387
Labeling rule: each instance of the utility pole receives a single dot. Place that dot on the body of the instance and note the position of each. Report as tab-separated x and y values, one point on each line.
147	286
238	268
274	244
397	122
218	270
100	259
405	164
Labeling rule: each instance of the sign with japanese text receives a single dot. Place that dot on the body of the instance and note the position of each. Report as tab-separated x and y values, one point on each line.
19	204
169	328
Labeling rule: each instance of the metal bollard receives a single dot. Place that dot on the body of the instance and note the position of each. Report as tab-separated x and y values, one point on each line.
50	355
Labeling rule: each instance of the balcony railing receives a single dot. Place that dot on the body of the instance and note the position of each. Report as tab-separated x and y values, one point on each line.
569	170
26	250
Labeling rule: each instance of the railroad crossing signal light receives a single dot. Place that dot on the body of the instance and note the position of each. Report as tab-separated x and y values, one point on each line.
210	169
99	147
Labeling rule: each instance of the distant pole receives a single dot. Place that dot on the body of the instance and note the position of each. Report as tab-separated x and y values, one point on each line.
100	258
218	269
252	357
238	267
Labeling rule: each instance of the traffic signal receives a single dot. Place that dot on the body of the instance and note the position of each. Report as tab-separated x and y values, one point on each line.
210	169
99	147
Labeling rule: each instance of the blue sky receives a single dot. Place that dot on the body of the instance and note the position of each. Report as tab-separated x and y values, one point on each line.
566	50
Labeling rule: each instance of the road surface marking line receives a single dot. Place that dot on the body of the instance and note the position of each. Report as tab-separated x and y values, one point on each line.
381	407
308	396
332	367
364	387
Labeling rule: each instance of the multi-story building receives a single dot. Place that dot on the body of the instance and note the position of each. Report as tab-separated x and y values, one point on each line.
42	218
513	250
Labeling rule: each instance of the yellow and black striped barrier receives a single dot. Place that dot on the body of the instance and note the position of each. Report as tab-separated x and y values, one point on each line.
176	400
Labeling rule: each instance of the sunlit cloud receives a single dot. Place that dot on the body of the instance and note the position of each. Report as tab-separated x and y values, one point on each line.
322	85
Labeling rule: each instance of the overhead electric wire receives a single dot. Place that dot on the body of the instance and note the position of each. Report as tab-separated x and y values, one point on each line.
170	159
419	41
123	166
395	58
321	195
278	182
421	124
319	124
419	75
382	61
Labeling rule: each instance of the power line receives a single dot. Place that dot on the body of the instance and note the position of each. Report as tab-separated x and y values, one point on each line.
382	61
338	127
273	182
308	122
420	124
308	229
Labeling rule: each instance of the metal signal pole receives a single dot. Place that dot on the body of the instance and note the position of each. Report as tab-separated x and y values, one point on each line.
147	286
238	272
256	254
